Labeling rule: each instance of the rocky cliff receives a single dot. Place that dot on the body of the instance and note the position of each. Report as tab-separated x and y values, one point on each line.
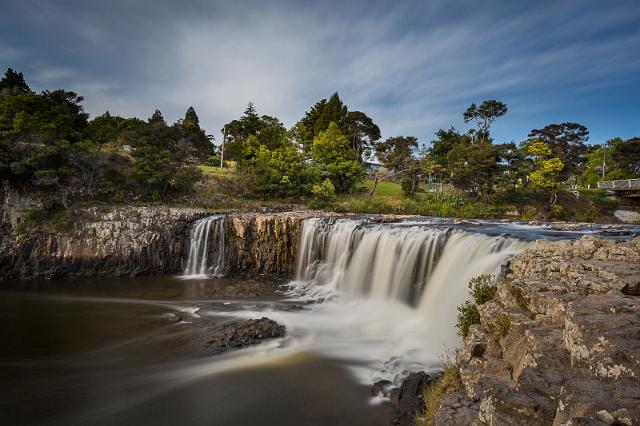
121	241
560	342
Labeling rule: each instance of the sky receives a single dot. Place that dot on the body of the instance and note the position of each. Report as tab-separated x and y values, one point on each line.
414	67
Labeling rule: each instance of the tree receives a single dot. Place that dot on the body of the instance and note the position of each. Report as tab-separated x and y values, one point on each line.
318	118
398	154
627	156
269	131
364	133
445	142
191	118
282	172
474	167
13	83
332	153
547	168
156	118
484	116
567	142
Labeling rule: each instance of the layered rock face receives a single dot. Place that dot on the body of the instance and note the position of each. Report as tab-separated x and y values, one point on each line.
560	342
116	242
263	243
142	240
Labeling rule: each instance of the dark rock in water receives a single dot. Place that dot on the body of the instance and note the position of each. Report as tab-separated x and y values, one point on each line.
410	400
245	333
394	394
381	387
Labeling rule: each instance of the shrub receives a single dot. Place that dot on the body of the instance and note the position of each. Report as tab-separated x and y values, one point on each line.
468	315
323	194
482	290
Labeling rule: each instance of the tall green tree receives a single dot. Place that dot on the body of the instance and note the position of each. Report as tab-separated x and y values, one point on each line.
484	116
398	154
157	118
567	142
318	118
627	156
363	132
333	155
191	118
13	83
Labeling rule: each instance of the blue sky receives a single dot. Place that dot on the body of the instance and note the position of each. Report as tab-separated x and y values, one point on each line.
413	67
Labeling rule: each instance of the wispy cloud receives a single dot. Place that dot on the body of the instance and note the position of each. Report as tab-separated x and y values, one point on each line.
414	68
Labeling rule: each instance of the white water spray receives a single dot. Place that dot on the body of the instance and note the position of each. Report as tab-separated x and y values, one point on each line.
207	249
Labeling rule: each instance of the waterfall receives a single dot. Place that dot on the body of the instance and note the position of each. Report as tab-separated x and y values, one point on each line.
384	297
422	266
206	249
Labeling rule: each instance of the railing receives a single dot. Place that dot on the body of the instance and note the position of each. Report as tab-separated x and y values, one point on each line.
620	184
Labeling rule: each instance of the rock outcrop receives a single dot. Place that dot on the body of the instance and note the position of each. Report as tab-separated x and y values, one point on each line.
117	241
560	342
244	333
114	242
264	243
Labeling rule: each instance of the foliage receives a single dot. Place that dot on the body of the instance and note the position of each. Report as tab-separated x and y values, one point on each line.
48	144
358	127
482	290
281	172
323	193
567	143
468	315
265	130
13	83
332	155
547	168
484	115
627	157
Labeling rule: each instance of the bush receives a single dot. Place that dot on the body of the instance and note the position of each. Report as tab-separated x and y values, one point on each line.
481	290
468	315
323	194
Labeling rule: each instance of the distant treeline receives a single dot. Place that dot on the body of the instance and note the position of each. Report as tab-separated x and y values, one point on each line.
47	143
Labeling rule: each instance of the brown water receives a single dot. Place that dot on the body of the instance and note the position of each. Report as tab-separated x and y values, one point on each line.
131	352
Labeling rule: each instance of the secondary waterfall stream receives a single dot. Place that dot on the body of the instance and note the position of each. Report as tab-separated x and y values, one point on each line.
206	249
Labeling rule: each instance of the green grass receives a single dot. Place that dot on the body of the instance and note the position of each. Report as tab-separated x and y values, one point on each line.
219	172
384	189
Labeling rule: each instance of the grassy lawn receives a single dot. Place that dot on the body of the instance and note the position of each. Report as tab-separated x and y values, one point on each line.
385	189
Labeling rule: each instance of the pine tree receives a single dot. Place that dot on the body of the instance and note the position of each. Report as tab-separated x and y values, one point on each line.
13	82
191	118
157	118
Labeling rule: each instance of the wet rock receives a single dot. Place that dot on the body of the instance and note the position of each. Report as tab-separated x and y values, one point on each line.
410	398
249	332
381	387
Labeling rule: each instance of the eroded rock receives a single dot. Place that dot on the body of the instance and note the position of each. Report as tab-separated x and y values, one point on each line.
571	355
244	333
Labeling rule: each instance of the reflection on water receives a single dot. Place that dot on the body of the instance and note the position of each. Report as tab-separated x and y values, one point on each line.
132	351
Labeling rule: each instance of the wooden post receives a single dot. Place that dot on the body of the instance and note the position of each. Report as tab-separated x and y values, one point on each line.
224	139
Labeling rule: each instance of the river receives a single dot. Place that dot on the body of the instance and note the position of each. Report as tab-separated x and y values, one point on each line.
370	301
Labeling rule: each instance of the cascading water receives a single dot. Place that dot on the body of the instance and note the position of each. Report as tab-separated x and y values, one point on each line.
207	249
387	294
383	297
